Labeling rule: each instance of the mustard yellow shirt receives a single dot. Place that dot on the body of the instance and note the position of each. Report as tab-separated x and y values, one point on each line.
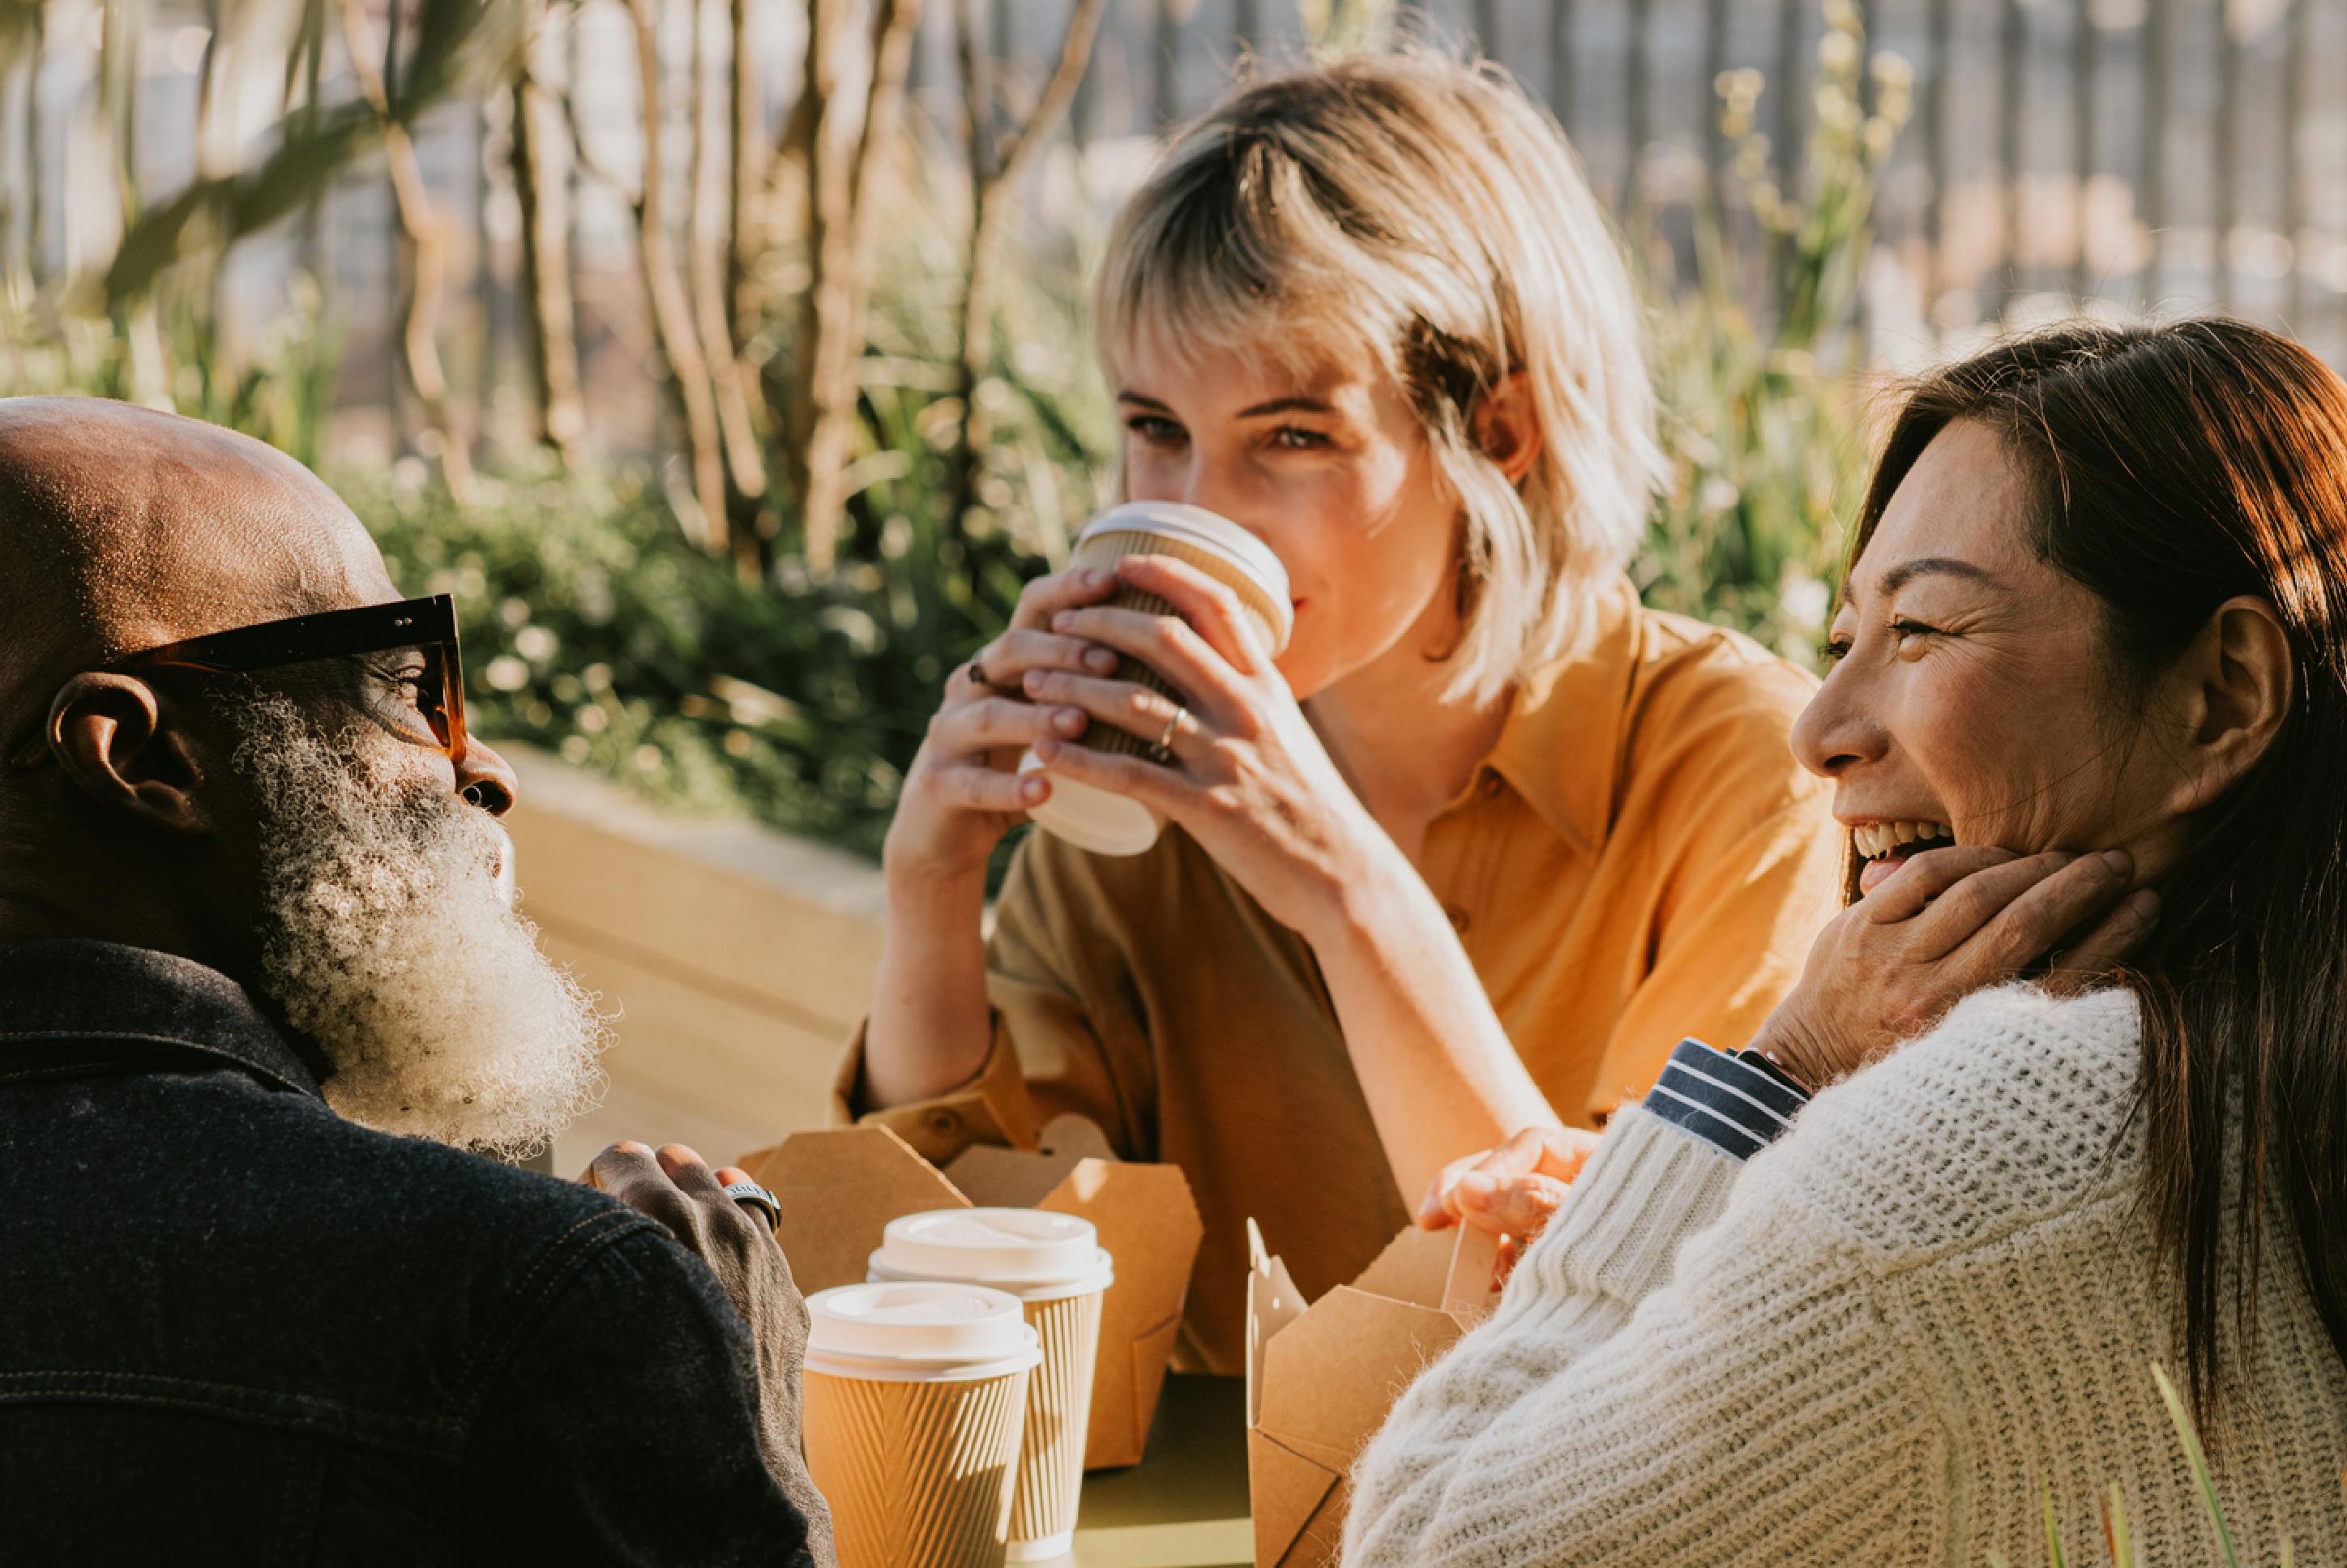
1639	860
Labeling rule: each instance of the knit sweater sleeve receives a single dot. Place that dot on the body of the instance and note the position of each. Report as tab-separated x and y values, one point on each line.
1679	1372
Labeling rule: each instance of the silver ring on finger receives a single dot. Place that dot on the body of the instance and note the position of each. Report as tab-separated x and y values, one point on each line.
751	1195
1164	750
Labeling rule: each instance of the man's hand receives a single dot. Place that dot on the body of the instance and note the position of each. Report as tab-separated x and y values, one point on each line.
676	1187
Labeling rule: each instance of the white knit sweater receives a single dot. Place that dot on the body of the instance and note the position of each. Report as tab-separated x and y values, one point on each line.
1868	1346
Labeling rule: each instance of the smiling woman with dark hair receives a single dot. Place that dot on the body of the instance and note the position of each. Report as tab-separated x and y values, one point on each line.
1837	1297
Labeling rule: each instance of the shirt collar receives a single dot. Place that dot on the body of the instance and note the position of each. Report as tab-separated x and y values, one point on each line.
1561	746
102	991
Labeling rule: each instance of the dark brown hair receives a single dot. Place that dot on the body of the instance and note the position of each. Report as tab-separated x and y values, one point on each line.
2180	466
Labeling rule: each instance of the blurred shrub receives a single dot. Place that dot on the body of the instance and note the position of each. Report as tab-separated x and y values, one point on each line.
591	629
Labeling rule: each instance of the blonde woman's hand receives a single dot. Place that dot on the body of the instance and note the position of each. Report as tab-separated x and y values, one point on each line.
1511	1191
1245	775
1946	924
963	791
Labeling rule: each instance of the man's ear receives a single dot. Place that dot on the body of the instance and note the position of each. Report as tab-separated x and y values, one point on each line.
127	750
2234	686
1507	427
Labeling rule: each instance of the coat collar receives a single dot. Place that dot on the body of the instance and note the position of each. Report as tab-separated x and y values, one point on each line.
62	992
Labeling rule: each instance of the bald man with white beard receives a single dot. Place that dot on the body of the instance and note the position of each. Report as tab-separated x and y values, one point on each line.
262	1000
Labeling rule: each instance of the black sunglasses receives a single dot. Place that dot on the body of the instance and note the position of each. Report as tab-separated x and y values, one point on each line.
427	625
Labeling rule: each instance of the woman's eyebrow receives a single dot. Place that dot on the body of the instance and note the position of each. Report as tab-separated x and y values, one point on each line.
1288	405
1905	572
1129	395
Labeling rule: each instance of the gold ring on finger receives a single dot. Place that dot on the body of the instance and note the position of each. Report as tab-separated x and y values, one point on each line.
1164	750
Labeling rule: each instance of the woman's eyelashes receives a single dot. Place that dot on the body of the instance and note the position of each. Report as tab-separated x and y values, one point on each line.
1906	629
1902	631
1161	433
1156	430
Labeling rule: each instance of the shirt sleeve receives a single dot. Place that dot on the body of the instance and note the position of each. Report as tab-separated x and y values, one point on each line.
625	1428
1752	872
1738	1101
1675	1374
1064	1017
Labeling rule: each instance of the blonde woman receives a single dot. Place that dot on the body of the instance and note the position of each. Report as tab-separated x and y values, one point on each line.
1486	840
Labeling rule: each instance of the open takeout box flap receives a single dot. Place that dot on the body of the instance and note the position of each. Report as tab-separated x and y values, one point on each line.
1449	1270
1148	1221
1273	1303
1298	1502
1112	1444
1330	1377
1322	1377
995	1177
839	1188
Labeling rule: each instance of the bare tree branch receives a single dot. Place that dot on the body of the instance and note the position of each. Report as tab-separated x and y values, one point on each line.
707	242
820	408
541	188
428	243
671	311
995	168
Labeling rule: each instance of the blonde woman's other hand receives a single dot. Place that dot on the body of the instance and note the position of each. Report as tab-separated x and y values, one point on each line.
1511	1191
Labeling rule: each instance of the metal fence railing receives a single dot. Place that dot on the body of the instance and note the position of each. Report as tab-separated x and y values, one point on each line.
2165	155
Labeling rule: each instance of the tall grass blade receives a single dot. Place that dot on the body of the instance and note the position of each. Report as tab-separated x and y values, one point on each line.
2115	1530
2053	1554
2191	1440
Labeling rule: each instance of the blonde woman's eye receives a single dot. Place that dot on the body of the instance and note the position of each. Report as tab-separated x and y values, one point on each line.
1295	439
1833	650
1155	430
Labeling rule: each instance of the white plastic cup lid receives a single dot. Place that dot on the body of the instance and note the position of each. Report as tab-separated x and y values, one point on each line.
918	1328
1208	531
1011	1249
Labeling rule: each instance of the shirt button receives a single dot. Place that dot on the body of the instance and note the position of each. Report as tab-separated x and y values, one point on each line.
1458	919
942	1124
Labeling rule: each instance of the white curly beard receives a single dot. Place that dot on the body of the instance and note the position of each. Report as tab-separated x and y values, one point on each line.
386	940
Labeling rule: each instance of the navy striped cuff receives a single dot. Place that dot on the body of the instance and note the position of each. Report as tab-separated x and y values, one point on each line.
1733	1100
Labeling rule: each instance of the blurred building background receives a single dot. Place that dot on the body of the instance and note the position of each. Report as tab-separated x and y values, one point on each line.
2146	154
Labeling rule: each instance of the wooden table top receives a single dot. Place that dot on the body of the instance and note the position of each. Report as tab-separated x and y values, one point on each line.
1186	1505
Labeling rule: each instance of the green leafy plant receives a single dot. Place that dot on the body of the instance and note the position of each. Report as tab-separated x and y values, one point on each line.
1761	378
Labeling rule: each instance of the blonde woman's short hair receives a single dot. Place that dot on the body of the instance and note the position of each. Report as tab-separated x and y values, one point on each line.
1429	212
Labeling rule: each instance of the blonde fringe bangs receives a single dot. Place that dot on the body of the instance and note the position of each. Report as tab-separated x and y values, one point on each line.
1237	260
1423	213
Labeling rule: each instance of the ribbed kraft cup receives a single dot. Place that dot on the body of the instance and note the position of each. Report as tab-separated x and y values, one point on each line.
1054	1264
918	1474
1163	528
1096	819
1058	1419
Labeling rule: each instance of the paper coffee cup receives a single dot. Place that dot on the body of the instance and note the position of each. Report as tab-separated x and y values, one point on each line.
1095	819
1054	1264
916	1403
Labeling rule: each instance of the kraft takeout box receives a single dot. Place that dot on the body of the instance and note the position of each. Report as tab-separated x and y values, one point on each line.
839	1187
1322	1377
